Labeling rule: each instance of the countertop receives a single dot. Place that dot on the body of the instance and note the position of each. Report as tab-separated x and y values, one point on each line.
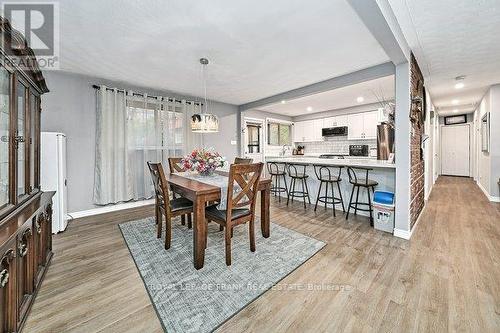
350	161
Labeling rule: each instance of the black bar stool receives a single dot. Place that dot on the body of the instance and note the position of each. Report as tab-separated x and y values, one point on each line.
328	175
277	171
357	183
297	171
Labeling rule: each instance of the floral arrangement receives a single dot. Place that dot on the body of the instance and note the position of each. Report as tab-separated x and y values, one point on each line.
205	161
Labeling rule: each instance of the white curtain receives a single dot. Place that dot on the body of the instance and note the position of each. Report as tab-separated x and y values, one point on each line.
132	130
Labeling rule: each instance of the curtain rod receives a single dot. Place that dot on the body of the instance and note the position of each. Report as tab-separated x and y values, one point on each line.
95	86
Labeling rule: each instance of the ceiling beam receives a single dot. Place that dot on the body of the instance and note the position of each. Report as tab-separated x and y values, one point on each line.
379	18
367	74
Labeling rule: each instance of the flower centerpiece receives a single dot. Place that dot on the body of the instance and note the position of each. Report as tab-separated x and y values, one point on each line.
205	161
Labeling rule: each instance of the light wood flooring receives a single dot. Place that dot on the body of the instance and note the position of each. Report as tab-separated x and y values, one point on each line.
447	278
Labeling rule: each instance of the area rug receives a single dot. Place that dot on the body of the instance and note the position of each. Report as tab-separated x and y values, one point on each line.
190	300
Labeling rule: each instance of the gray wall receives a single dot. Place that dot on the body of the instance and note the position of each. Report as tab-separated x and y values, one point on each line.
70	108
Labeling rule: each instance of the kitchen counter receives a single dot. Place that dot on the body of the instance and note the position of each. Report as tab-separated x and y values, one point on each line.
348	161
384	173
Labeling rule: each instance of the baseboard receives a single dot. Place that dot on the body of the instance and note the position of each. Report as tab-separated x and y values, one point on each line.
488	196
405	234
110	208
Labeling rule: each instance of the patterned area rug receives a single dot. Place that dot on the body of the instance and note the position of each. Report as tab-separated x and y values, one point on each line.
190	300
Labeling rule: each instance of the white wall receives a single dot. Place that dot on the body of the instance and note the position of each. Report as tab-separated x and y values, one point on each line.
429	147
488	163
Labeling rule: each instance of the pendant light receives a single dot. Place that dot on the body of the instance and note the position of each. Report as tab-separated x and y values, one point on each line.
204	122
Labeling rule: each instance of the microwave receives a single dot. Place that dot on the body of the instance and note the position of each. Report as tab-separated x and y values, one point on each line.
334	131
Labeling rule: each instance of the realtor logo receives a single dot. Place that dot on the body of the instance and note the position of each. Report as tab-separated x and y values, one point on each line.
38	22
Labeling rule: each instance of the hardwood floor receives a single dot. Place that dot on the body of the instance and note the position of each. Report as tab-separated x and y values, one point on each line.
447	278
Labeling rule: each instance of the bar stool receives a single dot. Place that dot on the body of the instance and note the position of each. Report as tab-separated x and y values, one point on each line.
328	175
297	171
357	183
277	171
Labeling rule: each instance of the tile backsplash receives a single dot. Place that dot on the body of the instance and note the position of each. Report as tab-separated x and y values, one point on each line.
334	145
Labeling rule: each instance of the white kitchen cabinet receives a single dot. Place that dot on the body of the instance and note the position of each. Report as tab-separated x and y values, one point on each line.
316	134
308	130
299	131
362	126
336	121
370	122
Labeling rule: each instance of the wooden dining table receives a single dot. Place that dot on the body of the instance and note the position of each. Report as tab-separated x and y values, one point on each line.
200	193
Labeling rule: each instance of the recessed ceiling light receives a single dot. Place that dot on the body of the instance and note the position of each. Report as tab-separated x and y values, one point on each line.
283	102
360	99
455	102
455	110
309	108
459	85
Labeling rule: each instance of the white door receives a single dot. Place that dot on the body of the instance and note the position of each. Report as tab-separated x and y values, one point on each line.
253	138
455	159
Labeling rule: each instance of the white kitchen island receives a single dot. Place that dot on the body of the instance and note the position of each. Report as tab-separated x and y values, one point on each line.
382	172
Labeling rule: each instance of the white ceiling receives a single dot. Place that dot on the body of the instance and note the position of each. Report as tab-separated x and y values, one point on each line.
452	38
256	48
371	91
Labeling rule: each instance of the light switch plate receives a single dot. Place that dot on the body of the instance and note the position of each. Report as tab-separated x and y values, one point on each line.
233	142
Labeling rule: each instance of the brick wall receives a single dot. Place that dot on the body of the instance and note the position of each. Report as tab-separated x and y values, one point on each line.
417	179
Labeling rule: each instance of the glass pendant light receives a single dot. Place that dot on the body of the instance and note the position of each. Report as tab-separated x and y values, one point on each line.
204	122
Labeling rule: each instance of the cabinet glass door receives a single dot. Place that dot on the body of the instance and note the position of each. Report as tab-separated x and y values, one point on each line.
33	141
4	135
21	135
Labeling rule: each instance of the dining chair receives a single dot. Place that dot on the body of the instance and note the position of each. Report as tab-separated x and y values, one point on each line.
164	206
240	207
243	160
174	165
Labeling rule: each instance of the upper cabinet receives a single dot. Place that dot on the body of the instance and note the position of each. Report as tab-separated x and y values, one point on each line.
362	126
336	121
308	130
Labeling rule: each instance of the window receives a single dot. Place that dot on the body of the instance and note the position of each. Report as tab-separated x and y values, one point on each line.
279	134
154	130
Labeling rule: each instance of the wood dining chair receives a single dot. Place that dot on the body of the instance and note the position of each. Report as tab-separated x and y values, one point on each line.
240	206
166	207
174	165
243	160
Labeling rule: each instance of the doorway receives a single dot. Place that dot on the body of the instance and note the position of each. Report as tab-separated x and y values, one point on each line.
455	150
253	139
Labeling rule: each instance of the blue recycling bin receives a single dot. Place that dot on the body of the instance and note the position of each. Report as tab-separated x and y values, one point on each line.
383	211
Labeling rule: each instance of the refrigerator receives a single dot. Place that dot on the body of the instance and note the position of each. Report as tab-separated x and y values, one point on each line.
53	176
385	141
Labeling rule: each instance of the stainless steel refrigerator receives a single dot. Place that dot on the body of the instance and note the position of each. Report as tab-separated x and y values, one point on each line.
385	141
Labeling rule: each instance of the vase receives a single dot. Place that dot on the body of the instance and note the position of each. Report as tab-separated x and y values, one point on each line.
207	173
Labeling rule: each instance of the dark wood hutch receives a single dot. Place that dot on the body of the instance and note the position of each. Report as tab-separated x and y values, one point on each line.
25	211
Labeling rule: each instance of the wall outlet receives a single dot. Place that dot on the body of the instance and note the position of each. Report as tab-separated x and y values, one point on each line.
234	142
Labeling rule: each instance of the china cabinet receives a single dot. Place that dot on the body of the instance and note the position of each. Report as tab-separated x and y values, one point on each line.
25	211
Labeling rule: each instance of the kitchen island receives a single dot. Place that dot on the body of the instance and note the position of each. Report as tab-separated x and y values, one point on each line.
382	172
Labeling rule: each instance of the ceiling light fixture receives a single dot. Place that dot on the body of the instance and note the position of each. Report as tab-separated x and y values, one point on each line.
460	84
309	108
455	110
283	102
455	102
204	122
360	99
